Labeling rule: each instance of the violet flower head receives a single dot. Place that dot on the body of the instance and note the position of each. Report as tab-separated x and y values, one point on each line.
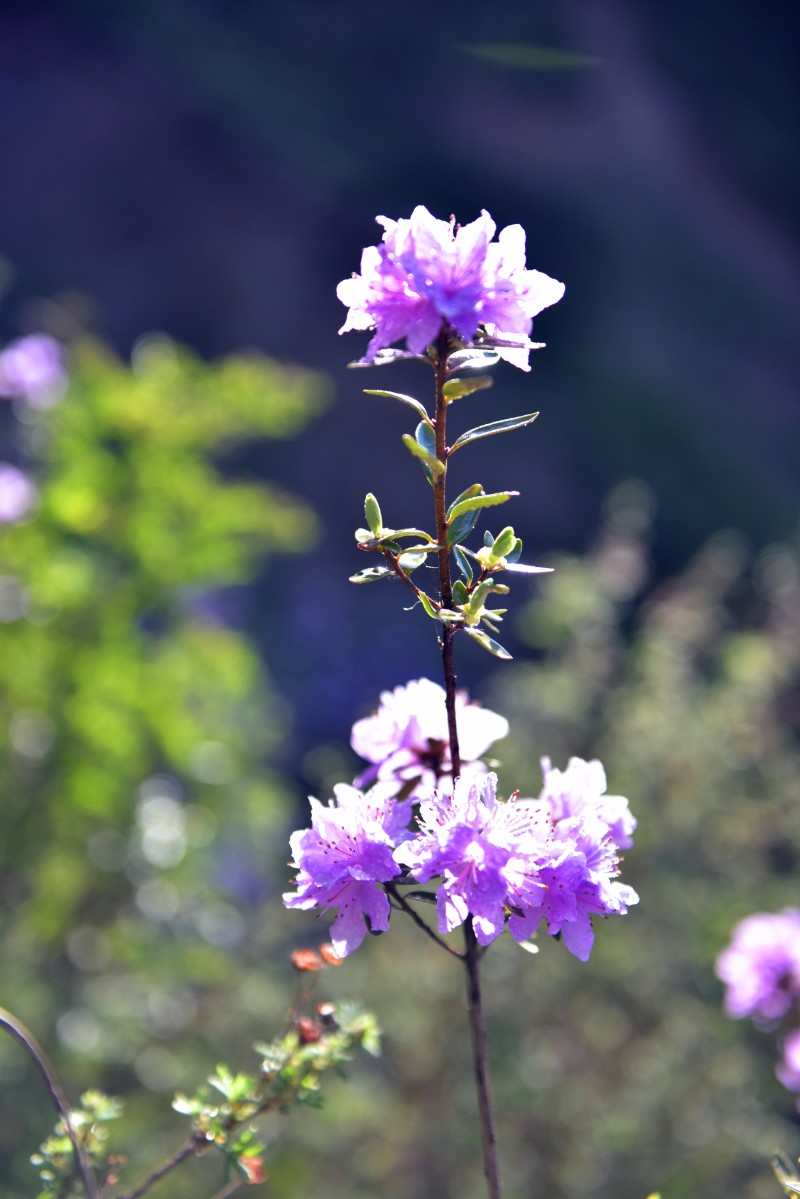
407	739
569	883
17	494
429	274
581	789
761	967
508	862
471	840
33	369
344	856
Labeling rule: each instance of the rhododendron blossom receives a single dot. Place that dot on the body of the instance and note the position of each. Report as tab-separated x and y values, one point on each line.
761	966
343	857
429	274
581	789
407	738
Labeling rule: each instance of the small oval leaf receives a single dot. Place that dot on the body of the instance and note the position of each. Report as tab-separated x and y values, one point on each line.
455	389
489	643
481	501
463	564
493	428
461	527
404	399
428	460
372	512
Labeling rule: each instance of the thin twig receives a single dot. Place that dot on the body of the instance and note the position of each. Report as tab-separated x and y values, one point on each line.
471	955
491	1165
34	1049
415	916
230	1188
193	1145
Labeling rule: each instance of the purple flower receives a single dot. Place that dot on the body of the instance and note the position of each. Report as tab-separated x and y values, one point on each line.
407	738
32	369
508	860
429	274
581	789
17	494
788	1068
573	880
472	841
344	857
761	966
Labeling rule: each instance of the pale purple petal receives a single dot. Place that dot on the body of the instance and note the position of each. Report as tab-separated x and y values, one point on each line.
429	274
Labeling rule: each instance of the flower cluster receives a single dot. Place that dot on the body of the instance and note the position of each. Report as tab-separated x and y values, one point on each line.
761	971
406	740
429	274
500	864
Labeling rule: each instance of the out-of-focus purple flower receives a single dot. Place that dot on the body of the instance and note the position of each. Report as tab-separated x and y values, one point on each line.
33	369
407	738
761	966
788	1068
510	859
343	857
428	274
17	494
581	789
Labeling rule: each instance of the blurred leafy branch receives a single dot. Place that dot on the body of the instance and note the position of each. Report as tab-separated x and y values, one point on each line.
128	707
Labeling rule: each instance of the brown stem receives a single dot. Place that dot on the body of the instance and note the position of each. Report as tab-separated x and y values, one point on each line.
445	584
491	1164
192	1145
471	955
403	903
229	1189
26	1038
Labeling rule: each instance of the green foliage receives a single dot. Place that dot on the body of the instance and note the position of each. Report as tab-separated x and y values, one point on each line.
134	726
55	1160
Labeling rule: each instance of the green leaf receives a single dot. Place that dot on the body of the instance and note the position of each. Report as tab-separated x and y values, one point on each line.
460	593
397	534
428	460
455	389
371	574
463	564
475	489
372	512
410	561
515	553
503	543
404	399
480	501
461	527
488	643
494	427
427	604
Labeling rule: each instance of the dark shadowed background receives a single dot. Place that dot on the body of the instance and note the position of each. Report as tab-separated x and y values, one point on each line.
212	170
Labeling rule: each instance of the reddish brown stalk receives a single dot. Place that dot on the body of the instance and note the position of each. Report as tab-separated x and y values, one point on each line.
471	955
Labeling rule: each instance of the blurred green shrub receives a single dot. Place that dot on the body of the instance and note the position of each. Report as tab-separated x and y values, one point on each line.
139	825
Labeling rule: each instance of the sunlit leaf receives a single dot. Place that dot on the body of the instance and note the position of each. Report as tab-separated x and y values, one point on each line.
492	429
